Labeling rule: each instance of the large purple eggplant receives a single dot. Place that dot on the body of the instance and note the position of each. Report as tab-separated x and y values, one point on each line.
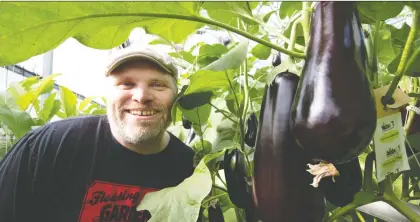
281	184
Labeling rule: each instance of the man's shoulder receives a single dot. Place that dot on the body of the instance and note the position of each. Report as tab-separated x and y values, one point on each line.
181	148
69	126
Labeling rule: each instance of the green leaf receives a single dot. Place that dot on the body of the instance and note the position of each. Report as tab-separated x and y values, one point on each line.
206	80
371	12
385	48
414	5
49	108
182	202
399	36
28	82
210	53
198	115
183	55
85	102
287	9
158	41
19	122
206	146
68	101
230	12
364	197
260	51
32	28
253	5
232	59
417	95
193	100
267	16
261	74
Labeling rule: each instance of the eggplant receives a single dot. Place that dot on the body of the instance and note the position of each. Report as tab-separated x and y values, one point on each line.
276	60
190	137
251	130
334	113
281	184
341	191
186	123
215	213
236	179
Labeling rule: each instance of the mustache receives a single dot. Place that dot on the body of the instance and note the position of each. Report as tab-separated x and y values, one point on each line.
156	108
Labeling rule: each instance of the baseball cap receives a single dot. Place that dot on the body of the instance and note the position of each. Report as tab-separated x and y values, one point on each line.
127	54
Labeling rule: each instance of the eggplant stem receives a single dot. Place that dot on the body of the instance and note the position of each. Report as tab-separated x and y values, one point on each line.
368	174
342	211
305	20
387	99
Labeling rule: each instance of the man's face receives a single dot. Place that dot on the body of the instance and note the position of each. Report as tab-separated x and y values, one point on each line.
139	102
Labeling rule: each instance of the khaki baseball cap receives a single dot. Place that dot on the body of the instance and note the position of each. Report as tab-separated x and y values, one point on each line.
127	54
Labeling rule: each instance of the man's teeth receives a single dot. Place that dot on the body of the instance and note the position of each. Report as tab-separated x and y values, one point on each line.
143	113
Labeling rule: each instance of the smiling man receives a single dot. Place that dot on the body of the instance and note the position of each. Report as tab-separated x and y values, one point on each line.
98	168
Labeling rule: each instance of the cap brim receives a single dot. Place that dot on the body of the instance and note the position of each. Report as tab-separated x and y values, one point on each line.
137	56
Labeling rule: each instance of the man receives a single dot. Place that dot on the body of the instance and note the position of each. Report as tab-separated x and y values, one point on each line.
98	168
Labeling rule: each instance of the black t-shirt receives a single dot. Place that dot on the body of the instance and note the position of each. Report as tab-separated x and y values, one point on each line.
74	170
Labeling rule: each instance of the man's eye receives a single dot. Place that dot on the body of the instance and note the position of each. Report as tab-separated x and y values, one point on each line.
126	84
158	84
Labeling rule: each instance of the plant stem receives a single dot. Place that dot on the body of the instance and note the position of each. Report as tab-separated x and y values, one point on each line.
401	207
242	141
220	178
374	73
360	216
387	99
220	188
213	198
368	174
411	114
223	113
305	20
342	211
292	37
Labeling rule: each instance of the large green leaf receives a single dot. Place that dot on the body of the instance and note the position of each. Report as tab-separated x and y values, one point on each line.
32	28
69	101
198	115
385	48
19	122
210	53
206	80
230	12
232	59
288	8
194	100
371	12
414	5
182	202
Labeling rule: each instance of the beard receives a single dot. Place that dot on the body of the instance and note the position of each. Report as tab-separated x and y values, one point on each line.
137	132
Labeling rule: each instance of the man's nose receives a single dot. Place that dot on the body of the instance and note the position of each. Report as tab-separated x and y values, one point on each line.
141	94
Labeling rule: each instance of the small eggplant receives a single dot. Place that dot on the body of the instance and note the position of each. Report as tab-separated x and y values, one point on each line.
186	123
236	179
276	60
341	191
251	130
215	213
